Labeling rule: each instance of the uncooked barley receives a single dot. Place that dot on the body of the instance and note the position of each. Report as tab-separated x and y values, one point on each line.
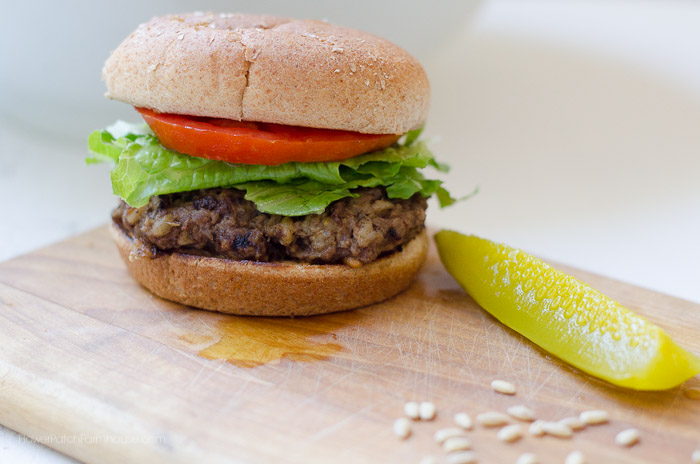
575	457
594	417
443	434
426	410
521	412
557	429
510	433
464	420
502	386
527	458
456	444
411	409
536	429
627	437
464	457
695	457
402	427
574	423
492	419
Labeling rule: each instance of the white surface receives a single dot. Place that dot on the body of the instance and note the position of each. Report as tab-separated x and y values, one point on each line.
580	122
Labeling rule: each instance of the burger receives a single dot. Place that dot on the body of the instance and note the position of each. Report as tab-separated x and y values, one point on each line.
278	171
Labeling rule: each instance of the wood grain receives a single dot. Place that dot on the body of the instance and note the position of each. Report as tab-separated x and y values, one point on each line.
114	374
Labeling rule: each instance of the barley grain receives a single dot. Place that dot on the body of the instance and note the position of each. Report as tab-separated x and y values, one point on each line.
411	409
444	434
695	457
627	437
575	457
464	420
574	423
492	419
402	428
510	433
501	386
594	417
527	458
536	429
456	444
557	429
464	457
426	411
521	412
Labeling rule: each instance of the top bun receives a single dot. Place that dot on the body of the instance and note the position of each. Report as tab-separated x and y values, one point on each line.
269	69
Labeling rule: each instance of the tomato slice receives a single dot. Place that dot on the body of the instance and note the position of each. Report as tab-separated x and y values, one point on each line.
257	142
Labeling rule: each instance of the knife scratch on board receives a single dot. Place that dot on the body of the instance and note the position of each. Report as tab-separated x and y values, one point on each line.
325	431
234	374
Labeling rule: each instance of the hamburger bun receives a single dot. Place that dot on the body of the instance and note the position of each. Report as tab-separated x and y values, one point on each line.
274	288
268	69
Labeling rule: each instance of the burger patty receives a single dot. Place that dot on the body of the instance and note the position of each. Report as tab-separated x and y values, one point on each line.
222	223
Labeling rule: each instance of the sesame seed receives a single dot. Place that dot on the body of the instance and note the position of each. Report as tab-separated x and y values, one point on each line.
353	68
337	50
426	410
456	444
536	429
402	428
627	437
445	434
501	386
151	68
521	412
337	71
574	423
575	457
429	460
492	419
510	433
465	457
692	393
367	83
463	420
411	409
557	429
527	458
594	417
180	36
382	83
695	457
212	25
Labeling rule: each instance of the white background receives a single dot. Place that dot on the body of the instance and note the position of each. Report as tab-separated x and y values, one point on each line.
579	121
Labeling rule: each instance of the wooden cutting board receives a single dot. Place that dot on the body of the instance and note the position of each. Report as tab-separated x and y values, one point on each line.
101	370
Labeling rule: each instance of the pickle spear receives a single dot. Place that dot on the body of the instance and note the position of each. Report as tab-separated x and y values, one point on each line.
564	316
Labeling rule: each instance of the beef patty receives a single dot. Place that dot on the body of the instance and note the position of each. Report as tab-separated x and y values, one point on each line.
222	223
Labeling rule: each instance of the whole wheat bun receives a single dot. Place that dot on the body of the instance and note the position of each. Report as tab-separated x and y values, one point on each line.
269	69
271	289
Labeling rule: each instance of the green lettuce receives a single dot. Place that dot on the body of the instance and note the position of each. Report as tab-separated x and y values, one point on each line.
143	168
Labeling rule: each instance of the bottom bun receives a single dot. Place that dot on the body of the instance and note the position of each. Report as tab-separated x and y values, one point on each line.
271	289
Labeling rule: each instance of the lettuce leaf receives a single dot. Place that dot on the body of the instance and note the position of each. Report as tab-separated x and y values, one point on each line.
143	168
